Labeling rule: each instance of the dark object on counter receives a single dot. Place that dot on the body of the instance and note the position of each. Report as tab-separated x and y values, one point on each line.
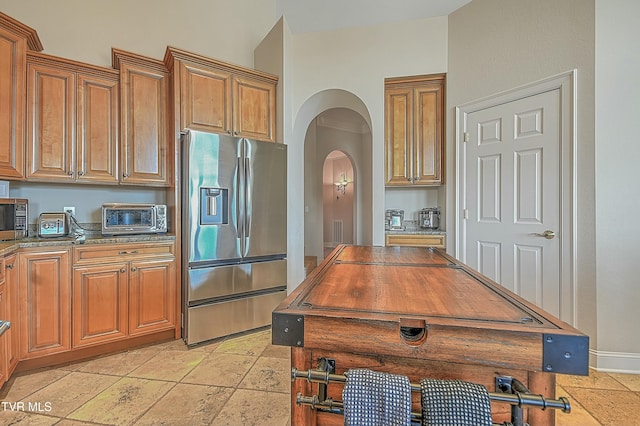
429	218
53	225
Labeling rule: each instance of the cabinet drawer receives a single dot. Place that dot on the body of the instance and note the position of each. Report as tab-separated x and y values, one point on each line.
415	240
119	252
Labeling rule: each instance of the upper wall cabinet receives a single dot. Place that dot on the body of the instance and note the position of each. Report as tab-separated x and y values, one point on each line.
72	121
218	97
414	130
15	39
145	113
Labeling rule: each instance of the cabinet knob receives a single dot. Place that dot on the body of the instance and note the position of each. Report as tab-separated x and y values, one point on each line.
133	269
70	173
124	175
81	173
123	270
9	266
228	132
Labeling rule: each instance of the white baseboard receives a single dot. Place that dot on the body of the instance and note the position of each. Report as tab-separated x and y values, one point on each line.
615	362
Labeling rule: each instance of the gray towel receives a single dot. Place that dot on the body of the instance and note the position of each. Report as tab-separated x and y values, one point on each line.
372	398
454	403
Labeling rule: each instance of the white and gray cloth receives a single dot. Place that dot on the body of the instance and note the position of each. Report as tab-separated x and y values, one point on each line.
454	403
374	398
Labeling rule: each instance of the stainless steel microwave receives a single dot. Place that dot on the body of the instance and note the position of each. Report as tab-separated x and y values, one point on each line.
127	219
14	213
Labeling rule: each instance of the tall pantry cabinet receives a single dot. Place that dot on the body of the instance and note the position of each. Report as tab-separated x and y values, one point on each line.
15	40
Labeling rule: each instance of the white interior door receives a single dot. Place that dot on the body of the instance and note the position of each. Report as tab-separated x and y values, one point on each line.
512	185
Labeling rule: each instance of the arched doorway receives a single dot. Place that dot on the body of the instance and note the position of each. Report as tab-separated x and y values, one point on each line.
339	219
343	130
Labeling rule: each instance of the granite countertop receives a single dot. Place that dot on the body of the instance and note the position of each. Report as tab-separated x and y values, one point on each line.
6	247
411	227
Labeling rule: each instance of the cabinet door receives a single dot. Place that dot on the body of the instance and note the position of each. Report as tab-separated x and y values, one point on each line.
98	127
152	296
145	119
4	339
399	136
205	99
12	95
99	304
45	303
429	130
51	123
13	334
254	106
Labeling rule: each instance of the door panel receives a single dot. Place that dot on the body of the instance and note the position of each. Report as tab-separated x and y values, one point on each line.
512	189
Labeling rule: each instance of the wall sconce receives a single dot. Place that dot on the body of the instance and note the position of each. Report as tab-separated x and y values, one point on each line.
341	185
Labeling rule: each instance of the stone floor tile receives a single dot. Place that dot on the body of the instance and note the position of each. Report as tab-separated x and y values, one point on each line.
20	386
71	391
276	351
187	405
168	365
631	381
25	418
221	369
594	380
250	344
269	374
123	402
255	408
578	415
119	364
609	407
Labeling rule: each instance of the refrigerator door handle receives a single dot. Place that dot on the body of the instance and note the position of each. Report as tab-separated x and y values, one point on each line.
240	219
247	197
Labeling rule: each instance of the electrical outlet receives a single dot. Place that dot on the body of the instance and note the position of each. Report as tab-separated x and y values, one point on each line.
70	210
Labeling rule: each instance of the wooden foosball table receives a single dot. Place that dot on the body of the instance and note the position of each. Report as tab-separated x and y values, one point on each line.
420	313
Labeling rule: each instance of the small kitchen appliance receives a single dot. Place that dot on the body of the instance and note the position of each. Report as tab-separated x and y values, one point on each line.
13	218
394	219
127	219
429	218
53	225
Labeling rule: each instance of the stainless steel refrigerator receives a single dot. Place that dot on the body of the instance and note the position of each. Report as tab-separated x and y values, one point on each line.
234	243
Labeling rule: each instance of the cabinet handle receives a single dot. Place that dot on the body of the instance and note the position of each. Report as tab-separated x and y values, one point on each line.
133	269
123	270
124	175
128	252
228	132
9	266
81	173
70	173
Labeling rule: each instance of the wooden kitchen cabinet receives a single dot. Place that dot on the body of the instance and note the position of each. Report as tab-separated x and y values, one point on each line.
15	40
145	119
99	303
223	98
4	338
415	240
11	292
72	121
414	130
45	302
123	290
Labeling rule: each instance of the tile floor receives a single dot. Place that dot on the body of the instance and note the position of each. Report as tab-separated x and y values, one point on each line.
242	380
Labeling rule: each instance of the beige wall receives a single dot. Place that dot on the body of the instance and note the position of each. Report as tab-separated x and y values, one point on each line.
617	177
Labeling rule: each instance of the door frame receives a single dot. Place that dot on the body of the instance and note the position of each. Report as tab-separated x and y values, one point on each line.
566	84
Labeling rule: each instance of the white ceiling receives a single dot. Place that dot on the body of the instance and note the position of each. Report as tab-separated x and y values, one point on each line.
305	16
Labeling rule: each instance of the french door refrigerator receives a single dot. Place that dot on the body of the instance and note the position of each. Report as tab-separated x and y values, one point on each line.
234	243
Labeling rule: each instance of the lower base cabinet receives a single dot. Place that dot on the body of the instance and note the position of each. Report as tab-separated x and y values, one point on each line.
45	302
121	291
415	240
